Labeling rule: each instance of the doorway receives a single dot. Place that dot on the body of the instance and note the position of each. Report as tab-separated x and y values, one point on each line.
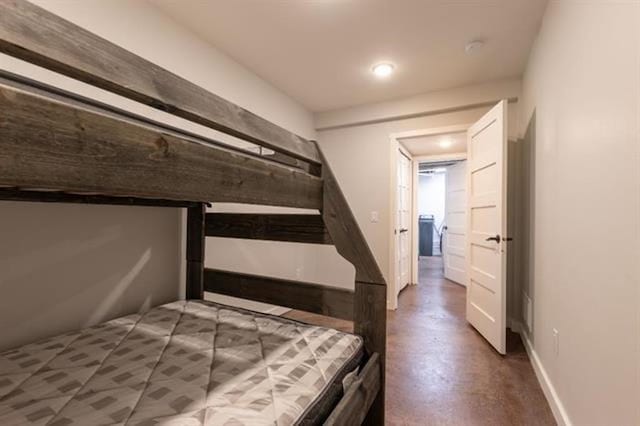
473	238
441	205
437	147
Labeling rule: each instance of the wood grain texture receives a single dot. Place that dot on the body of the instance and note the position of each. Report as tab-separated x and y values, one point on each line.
195	251
316	298
344	230
55	93
370	322
35	35
10	194
370	297
356	402
47	144
299	228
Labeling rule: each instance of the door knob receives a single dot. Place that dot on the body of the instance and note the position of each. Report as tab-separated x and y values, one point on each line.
496	239
404	230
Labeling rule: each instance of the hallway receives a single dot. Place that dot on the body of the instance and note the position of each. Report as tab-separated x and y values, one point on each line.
440	371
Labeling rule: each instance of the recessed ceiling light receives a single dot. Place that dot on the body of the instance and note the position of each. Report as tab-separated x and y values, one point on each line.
383	70
445	143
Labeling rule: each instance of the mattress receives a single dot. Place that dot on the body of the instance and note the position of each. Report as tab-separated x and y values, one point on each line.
183	363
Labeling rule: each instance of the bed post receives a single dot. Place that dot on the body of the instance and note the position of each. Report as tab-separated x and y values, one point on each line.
370	297
370	322
195	251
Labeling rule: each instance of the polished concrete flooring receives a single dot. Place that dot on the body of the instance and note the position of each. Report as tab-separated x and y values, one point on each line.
440	371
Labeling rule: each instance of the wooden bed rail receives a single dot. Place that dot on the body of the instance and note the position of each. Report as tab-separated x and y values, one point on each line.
62	142
316	298
12	194
370	299
50	144
366	305
35	35
359	397
297	228
36	87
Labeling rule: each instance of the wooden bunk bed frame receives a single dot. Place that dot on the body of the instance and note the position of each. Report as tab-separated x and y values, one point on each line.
60	147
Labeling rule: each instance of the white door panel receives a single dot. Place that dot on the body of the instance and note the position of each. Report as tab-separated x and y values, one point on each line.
454	242
486	219
403	225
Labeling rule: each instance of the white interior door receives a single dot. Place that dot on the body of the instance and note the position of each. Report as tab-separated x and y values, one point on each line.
487	225
454	244
403	226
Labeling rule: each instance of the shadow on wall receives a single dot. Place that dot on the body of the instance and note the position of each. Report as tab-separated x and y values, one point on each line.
521	199
314	263
67	266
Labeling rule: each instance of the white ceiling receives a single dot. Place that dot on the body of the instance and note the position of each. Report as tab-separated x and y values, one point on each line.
320	51
430	145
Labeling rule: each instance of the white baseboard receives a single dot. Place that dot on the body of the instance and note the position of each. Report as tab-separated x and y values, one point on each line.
557	408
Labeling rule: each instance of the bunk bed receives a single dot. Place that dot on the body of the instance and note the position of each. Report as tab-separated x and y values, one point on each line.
57	146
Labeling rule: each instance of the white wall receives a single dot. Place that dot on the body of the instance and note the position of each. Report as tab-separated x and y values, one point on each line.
66	266
423	103
583	82
360	155
431	195
63	267
294	261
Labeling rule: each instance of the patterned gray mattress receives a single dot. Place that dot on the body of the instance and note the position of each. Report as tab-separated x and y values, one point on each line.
184	363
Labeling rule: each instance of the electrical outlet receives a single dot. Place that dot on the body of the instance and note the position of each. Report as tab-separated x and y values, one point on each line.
299	272
375	217
556	342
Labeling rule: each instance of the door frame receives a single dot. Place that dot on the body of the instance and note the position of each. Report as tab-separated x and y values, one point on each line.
402	151
394	147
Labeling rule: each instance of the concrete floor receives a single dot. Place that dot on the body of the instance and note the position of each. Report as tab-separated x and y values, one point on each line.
440	371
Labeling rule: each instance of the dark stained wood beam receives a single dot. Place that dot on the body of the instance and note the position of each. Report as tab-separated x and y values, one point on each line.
356	402
47	144
12	194
370	299
299	228
315	298
39	88
195	251
35	35
370	322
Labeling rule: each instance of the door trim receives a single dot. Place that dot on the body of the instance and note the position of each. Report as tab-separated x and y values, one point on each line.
394	149
415	213
393	286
